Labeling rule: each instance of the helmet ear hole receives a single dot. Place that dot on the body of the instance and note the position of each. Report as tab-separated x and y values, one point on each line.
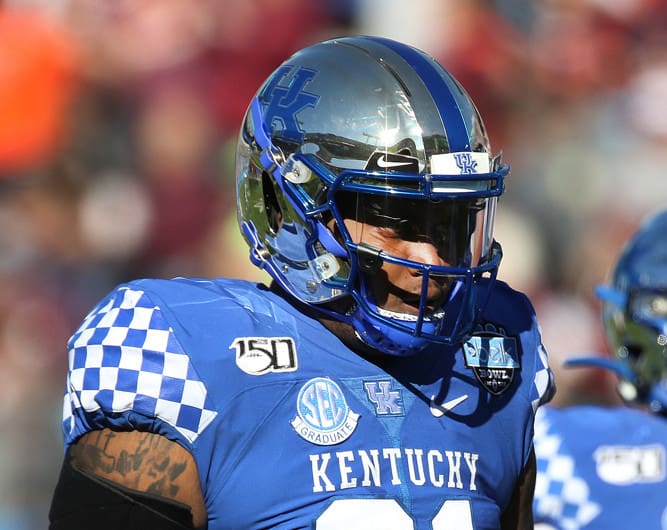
274	214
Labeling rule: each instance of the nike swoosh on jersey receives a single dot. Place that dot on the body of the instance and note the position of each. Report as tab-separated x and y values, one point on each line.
441	410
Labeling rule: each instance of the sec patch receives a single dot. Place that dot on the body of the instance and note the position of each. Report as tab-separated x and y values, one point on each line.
323	415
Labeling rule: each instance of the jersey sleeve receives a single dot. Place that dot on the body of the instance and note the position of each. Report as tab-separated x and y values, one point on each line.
513	311
128	371
544	386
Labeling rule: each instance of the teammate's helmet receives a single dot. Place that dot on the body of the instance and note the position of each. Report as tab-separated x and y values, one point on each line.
358	127
634	313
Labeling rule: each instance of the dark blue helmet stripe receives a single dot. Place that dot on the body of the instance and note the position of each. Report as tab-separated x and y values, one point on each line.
450	113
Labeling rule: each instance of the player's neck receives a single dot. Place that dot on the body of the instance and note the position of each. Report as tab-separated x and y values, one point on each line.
343	331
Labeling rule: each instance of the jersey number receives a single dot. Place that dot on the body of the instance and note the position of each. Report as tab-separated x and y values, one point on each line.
361	514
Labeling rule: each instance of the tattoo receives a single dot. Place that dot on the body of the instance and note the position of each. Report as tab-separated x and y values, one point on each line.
176	470
138	460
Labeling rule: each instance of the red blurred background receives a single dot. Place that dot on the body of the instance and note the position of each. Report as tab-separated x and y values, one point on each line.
118	122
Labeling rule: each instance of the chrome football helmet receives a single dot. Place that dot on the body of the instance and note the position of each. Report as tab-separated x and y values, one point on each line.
634	314
374	131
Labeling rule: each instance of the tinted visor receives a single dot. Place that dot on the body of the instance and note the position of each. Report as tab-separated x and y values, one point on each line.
458	230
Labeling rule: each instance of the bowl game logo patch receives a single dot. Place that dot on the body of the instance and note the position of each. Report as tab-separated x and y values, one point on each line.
493	357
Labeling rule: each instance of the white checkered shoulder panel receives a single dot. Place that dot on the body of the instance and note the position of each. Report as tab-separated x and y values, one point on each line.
543	388
124	358
560	493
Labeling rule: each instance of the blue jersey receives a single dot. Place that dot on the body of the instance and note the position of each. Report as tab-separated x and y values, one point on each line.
291	429
600	468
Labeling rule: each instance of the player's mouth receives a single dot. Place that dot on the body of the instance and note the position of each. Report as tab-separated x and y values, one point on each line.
409	310
412	316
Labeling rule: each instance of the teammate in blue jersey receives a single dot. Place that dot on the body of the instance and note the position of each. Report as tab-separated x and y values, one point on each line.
606	467
384	379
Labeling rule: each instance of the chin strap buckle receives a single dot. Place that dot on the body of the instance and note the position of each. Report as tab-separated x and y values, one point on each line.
368	258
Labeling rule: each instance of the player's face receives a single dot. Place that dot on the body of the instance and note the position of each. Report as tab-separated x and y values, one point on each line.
420	231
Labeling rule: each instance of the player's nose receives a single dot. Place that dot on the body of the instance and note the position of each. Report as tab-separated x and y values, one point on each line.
424	252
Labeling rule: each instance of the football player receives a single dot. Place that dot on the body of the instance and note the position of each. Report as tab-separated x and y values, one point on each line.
384	379
606	467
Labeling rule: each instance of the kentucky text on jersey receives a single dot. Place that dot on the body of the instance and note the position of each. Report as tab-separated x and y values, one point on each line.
349	469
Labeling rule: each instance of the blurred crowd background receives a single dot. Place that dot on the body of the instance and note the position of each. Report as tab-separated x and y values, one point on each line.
118	121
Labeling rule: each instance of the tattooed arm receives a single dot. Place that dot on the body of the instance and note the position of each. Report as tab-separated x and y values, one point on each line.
144	462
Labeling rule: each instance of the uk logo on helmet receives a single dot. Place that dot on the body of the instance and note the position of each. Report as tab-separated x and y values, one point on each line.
465	163
283	103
